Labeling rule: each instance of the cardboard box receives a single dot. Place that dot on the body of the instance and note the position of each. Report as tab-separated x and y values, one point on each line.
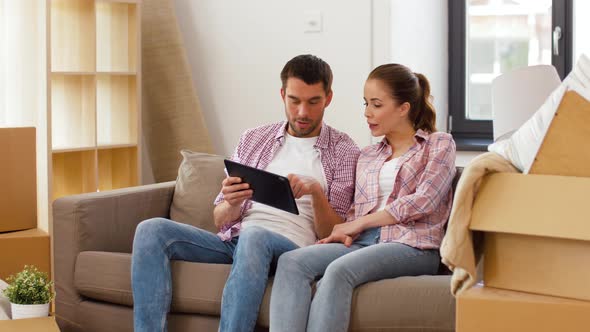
486	309
17	249
18	184
537	233
45	324
564	150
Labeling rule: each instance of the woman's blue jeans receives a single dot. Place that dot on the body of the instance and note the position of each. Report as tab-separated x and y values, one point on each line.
341	270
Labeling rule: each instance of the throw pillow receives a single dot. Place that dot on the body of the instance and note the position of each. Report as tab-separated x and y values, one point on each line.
522	147
198	183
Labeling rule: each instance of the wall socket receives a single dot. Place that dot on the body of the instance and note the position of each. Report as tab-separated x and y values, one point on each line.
312	21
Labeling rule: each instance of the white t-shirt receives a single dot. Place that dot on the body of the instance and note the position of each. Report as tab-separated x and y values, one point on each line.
386	181
296	156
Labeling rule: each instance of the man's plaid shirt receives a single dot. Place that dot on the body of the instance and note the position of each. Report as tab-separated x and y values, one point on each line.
338	154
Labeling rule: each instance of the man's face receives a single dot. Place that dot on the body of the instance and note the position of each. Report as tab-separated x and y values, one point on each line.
304	107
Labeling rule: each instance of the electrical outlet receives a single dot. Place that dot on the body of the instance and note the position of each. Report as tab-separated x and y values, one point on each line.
312	21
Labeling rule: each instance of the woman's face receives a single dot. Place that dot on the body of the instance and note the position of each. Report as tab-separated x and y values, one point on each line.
384	114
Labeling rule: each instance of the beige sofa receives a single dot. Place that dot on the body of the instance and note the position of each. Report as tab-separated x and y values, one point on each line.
93	235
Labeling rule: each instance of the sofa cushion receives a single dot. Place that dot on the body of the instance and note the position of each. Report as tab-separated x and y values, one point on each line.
422	303
91	315
198	183
197	287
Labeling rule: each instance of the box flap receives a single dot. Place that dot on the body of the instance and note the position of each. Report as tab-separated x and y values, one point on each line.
541	205
503	295
564	150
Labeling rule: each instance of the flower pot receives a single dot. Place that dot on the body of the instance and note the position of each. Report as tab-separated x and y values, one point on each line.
20	311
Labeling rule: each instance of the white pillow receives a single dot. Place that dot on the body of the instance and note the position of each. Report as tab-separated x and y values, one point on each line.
522	147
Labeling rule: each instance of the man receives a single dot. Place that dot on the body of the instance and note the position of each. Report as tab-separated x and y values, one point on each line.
320	163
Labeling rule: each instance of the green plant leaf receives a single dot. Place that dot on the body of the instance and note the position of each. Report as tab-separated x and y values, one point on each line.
30	286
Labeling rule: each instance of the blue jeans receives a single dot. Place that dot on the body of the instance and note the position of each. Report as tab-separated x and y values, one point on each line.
159	240
341	270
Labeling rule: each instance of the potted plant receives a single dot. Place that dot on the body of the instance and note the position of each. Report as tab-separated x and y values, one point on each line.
29	293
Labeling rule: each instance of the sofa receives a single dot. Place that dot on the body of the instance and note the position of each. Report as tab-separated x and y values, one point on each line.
93	236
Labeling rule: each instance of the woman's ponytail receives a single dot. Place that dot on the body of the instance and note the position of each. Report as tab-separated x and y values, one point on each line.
425	117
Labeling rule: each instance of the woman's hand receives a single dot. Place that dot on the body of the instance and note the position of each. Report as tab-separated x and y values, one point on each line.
344	233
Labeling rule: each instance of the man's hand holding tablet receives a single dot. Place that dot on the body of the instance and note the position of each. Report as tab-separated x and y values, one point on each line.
235	192
264	187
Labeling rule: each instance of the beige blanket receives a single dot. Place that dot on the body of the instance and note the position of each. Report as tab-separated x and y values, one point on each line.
458	250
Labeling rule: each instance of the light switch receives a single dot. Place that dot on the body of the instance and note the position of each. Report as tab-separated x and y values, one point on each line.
312	21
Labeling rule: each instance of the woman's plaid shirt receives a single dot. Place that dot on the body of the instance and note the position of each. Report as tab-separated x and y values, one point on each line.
422	196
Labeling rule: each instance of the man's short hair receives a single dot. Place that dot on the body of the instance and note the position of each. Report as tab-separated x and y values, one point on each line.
308	68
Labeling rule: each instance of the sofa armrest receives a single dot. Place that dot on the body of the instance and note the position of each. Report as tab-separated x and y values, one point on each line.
101	221
106	221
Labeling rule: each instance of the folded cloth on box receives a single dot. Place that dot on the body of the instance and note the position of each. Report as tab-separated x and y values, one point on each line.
457	250
522	147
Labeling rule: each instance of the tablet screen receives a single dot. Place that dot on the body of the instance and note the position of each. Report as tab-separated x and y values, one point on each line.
268	188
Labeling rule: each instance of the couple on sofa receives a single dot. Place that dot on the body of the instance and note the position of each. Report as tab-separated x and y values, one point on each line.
385	222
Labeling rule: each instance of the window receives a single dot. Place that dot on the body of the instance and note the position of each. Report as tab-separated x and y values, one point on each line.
490	37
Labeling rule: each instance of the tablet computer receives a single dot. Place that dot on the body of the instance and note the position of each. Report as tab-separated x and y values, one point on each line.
269	188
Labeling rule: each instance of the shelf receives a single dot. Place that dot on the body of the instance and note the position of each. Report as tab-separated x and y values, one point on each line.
73	73
117	119
73	44
73	116
117	72
117	168
73	149
74	173
116	146
116	37
95	95
120	1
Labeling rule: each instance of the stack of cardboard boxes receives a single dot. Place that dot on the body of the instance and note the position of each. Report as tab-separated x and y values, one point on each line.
536	237
21	242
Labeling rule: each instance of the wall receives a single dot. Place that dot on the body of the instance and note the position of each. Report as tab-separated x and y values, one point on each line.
236	58
419	40
23	82
237	49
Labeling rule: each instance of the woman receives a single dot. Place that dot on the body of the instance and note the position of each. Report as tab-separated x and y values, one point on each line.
395	227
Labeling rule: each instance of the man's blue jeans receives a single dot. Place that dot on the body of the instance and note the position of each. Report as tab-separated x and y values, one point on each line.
341	270
159	240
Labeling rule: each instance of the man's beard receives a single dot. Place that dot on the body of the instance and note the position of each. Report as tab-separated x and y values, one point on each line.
304	132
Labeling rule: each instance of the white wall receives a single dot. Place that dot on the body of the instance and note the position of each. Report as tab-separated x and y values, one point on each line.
22	63
419	40
23	83
237	49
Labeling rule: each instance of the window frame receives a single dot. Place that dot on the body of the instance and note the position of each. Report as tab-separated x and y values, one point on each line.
475	135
